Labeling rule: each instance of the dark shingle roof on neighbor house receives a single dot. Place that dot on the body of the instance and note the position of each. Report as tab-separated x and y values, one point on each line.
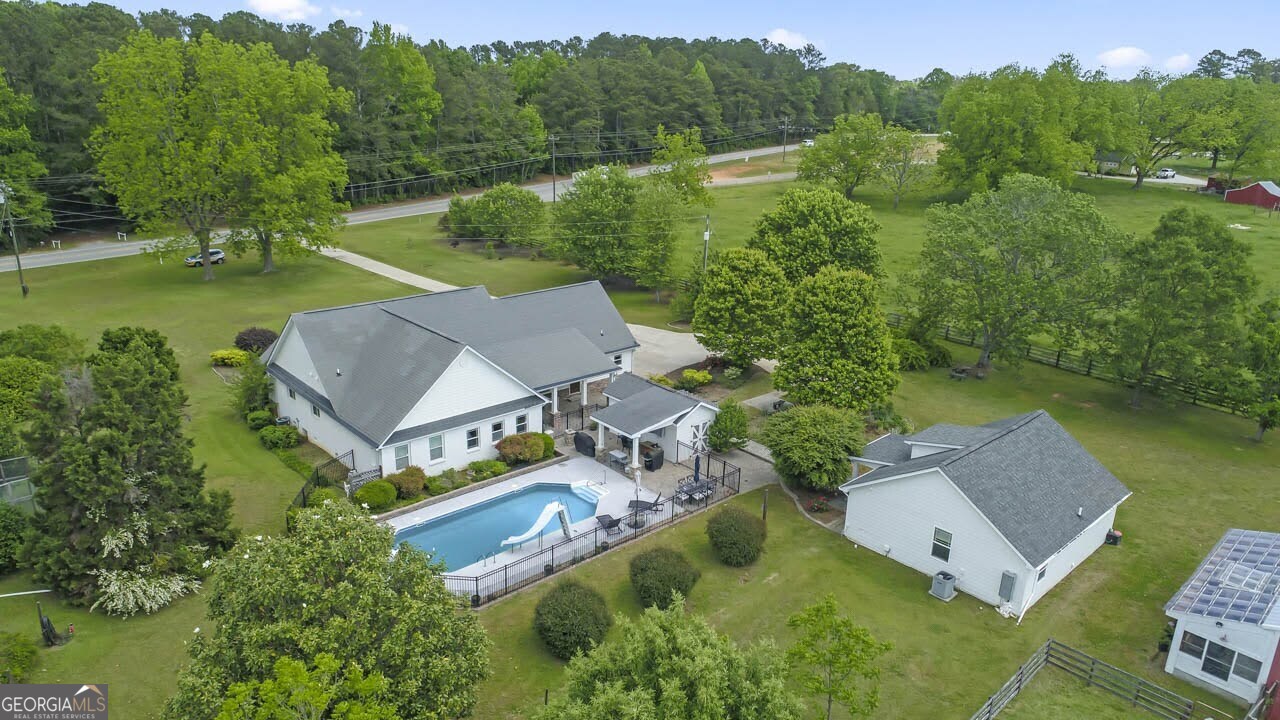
640	405
376	360
1026	474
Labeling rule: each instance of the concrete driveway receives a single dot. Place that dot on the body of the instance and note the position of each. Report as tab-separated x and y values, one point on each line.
662	351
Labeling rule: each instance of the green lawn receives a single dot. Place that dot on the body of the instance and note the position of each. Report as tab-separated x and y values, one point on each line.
139	657
1055	695
1188	469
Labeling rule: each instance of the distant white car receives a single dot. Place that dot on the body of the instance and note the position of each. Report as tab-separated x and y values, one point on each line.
215	254
1166	174
807	143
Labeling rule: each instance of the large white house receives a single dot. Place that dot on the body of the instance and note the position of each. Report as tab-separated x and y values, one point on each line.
435	380
1008	508
1227	636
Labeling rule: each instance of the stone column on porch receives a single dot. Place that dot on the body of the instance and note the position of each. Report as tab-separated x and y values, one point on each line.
555	400
600	441
635	451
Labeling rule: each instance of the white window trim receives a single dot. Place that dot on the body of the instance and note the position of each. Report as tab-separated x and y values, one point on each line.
935	542
617	360
467	437
315	409
440	459
519	423
498	429
408	457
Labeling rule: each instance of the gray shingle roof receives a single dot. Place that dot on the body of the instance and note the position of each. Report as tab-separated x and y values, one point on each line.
1239	580
528	402
642	408
954	435
625	385
891	448
1028	479
391	352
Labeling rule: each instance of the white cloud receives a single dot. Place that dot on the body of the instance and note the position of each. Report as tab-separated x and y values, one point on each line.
346	13
1125	56
399	28
1179	63
790	38
284	9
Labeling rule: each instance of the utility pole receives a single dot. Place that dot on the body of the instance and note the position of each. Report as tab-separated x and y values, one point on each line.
552	138
786	125
5	198
706	240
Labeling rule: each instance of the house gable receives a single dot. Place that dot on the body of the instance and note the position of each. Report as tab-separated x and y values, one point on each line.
290	352
471	381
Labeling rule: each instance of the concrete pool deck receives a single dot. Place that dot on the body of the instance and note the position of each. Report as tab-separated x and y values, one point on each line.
615	491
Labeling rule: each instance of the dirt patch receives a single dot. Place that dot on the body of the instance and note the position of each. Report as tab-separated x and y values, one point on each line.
825	507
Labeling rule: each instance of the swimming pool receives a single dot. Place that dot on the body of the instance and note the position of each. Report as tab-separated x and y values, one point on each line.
466	535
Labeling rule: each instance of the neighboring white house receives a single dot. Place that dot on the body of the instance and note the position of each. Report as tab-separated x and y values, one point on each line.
435	380
1227	636
642	411
1009	508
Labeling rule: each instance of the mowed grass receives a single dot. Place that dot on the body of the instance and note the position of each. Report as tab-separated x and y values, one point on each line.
1193	473
1055	695
139	657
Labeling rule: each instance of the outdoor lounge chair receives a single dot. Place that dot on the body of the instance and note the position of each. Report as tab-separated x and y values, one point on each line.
645	505
610	524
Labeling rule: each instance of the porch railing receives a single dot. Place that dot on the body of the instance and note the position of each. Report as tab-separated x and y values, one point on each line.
568	421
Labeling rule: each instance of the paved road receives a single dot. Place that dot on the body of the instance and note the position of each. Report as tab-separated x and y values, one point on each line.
1181	180
105	249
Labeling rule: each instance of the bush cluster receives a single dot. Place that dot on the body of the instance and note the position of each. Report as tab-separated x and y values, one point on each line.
230	357
526	448
259	419
409	482
736	536
17	656
12	525
656	573
378	495
255	339
730	428
910	355
252	390
693	379
293	462
571	618
486	469
662	380
277	437
319	495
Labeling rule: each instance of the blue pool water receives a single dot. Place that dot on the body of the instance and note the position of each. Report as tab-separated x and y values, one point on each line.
464	536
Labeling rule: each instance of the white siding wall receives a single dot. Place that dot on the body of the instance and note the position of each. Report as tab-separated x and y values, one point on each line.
291	354
897	517
1076	552
324	431
1252	640
697	416
456	454
470	383
626	359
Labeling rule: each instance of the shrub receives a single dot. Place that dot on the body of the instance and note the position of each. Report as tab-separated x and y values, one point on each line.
736	536
12	525
276	437
252	389
437	485
571	618
910	355
548	445
259	419
693	379
662	380
733	377
886	418
937	353
409	482
255	339
522	448
17	656
811	444
657	573
485	469
294	463
319	495
729	429
230	357
378	495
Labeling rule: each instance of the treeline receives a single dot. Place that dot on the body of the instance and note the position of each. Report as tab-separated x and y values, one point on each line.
429	118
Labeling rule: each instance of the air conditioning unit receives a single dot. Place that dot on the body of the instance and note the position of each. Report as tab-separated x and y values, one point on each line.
944	586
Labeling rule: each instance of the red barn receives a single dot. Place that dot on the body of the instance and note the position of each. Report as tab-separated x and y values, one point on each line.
1265	194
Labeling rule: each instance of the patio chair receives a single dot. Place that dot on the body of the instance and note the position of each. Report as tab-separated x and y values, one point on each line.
610	524
645	505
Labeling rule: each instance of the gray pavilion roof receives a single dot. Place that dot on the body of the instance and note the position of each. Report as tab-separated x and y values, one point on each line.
640	405
1027	475
376	360
1239	580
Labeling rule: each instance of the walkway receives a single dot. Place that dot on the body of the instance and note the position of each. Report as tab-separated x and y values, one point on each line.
387	271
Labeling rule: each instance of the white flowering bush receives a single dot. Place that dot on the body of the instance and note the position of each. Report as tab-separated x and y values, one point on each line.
128	592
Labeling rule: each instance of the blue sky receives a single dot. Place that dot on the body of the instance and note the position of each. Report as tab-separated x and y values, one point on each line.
903	37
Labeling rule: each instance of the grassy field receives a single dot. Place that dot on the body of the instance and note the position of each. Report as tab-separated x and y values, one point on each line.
952	656
139	657
1055	695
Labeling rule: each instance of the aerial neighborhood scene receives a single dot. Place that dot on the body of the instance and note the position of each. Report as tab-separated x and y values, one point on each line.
399	361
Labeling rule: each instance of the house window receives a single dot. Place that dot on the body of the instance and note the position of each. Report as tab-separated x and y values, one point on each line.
292	394
617	360
522	423
473	439
941	544
315	410
1247	668
402	457
435	448
497	431
1192	645
1040	575
1217	661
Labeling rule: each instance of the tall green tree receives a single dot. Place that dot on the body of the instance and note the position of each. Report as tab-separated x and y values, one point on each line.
848	156
904	166
1181	290
52	344
124	521
505	214
836	658
811	445
1164	116
20	167
322	690
741	306
837	349
1262	358
671	665
813	228
334	586
1030	257
681	159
